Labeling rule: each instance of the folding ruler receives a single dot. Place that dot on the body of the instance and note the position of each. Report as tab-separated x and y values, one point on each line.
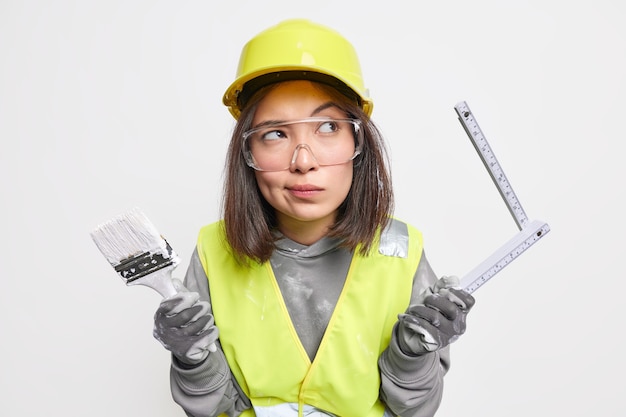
530	231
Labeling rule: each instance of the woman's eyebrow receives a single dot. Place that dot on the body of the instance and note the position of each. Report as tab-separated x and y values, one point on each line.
267	123
323	107
316	111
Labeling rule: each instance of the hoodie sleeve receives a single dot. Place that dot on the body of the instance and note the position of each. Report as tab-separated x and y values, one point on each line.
413	385
209	388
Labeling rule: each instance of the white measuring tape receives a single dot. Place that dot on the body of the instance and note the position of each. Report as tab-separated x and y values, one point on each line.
530	231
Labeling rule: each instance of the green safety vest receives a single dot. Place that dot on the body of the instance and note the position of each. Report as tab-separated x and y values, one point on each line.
263	349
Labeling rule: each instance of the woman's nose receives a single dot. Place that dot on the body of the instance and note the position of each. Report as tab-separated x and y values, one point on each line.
303	159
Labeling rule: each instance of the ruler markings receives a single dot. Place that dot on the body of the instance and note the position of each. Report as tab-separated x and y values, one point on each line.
529	232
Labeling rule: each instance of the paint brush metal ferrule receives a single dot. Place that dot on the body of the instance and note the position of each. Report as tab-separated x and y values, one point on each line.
146	263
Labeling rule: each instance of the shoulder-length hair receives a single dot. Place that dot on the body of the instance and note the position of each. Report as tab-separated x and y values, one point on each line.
249	220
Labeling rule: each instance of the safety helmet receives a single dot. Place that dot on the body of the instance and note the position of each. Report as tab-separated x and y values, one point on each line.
297	49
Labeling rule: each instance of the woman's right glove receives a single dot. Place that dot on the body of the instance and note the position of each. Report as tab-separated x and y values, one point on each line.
437	320
185	326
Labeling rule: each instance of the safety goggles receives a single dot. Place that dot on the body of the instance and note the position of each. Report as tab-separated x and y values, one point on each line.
274	146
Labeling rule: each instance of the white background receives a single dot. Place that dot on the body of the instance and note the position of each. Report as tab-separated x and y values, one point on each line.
107	105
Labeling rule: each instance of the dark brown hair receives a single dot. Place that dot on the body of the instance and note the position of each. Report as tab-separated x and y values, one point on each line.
250	221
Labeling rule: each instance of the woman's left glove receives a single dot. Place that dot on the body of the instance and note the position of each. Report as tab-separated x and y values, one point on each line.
185	326
435	322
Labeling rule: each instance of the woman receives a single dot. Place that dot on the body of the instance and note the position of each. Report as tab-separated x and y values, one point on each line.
308	298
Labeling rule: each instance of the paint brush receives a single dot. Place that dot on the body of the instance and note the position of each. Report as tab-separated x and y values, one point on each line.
137	252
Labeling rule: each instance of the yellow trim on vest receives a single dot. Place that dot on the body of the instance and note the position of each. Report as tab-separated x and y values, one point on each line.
262	346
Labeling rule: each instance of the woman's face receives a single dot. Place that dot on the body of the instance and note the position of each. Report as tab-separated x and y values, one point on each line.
306	196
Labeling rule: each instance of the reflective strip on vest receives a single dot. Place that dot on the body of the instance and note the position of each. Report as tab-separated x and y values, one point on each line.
261	344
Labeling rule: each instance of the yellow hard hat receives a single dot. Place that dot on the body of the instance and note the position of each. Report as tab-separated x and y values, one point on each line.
297	49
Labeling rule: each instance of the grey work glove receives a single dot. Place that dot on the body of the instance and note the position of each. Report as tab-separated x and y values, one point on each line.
437	320
185	326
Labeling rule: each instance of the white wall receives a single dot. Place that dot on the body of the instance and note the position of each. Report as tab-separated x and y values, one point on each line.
107	105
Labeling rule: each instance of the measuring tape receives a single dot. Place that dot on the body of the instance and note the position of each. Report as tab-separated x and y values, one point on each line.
530	231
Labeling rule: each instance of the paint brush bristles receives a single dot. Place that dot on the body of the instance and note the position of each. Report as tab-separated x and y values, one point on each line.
134	247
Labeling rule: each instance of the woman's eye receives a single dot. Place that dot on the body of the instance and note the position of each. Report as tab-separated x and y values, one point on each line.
328	127
273	135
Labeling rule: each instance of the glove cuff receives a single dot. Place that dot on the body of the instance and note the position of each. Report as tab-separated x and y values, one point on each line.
406	367
210	373
184	365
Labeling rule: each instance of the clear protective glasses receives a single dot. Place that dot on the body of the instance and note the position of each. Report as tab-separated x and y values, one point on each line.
274	146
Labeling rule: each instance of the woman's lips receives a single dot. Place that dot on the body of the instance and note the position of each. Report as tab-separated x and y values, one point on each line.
304	190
